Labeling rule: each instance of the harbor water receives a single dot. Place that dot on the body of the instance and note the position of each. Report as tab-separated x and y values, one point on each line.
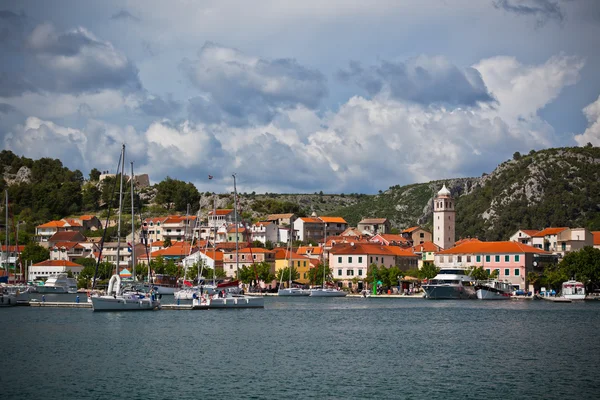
305	348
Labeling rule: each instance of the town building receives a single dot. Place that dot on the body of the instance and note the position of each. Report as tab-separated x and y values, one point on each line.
561	241
416	235
374	226
265	231
72	250
285	259
513	260
65	236
246	257
309	229
221	217
281	219
426	253
45	231
89	222
334	226
390	240
444	219
152	230
48	268
524	236
178	228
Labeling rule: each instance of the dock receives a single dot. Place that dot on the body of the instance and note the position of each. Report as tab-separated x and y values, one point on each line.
176	307
60	304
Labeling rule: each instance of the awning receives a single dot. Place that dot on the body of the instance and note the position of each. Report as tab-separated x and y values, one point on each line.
125	273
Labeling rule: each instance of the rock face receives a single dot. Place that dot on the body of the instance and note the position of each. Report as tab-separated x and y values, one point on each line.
23	175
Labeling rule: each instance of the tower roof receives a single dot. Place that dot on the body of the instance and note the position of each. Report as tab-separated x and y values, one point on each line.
444	191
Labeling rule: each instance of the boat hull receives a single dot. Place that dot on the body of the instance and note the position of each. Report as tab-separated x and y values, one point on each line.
229	302
448	292
53	289
327	293
123	303
485	294
8	300
574	296
289	292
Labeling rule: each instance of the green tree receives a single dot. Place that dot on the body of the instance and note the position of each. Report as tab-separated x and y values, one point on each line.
33	253
167	242
94	175
478	273
315	275
283	275
583	265
175	195
90	198
428	271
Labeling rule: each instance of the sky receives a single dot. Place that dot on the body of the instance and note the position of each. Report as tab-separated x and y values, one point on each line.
298	96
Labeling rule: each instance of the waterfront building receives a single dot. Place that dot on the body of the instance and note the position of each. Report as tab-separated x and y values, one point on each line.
302	264
561	241
176	252
374	226
524	236
416	235
513	260
312	252
309	229
48	268
45	231
178	228
444	217
426	253
245	258
65	236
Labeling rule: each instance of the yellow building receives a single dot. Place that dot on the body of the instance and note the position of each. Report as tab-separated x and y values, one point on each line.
300	263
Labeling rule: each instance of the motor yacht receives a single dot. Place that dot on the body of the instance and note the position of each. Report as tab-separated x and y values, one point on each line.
450	284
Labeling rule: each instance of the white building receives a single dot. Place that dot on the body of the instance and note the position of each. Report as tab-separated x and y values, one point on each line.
264	231
444	218
48	268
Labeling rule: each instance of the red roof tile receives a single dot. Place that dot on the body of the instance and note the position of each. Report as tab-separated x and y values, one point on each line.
549	231
333	220
427	247
57	263
596	238
222	212
478	247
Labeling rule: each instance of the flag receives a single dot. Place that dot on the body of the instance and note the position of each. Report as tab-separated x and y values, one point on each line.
210	177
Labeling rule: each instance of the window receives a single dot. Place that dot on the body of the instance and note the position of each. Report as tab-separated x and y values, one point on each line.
376	258
254	256
478	259
421	235
497	258
158	232
506	272
517	271
517	258
349	260
305	264
339	272
340	260
487	258
359	259
506	258
459	258
349	272
442	259
371	260
563	246
468	259
360	272
243	256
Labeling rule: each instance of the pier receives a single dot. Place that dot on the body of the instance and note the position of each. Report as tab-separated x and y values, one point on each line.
60	304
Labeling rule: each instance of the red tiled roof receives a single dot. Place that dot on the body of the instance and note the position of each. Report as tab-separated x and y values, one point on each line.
412	229
230	245
334	220
181	250
273	217
66	236
154	220
222	212
66	245
283	254
466	240
52	224
426	247
255	250
176	219
529	232
263	223
478	247
12	248
72	222
309	250
57	263
373	221
371	248
311	220
232	229
216	255
549	231
86	217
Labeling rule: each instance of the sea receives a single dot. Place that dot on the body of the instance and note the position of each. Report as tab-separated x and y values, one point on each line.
305	348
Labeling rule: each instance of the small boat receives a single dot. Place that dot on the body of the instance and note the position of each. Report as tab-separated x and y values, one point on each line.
7	299
227	295
573	290
327	292
493	290
60	283
450	284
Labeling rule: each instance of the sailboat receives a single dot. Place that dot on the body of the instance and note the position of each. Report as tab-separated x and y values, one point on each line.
324	291
290	291
227	293
116	299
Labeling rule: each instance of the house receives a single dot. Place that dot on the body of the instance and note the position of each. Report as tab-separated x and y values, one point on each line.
351	232
302	265
281	219
426	252
513	260
309	229
312	252
72	250
523	236
247	257
65	236
109	254
350	261
178	228
210	258
265	231
596	239
390	240
236	234
416	235
334	226
561	241
152	229
89	222
48	268
10	255
373	226
45	231
176	252
220	217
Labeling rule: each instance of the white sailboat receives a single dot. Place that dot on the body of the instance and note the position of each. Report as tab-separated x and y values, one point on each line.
116	299
290	291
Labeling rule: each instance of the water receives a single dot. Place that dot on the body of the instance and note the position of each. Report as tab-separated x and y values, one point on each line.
305	348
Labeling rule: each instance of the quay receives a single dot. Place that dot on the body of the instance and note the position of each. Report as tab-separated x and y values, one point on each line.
61	304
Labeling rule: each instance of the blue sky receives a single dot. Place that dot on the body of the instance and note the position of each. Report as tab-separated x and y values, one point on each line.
299	96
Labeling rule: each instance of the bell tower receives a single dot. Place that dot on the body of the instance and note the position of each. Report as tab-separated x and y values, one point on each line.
444	218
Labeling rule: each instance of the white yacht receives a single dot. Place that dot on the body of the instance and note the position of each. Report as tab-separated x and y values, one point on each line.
493	290
190	293
450	284
327	292
60	283
573	290
293	291
227	295
7	299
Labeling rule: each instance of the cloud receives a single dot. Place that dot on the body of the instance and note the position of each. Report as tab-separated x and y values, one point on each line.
423	80
158	107
592	133
242	88
542	10
124	15
6	108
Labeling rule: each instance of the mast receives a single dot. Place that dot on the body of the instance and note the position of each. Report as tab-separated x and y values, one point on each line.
132	229
290	262
214	237
323	251
120	207
7	252
235	208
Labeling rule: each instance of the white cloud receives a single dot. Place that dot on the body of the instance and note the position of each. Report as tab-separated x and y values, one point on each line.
592	133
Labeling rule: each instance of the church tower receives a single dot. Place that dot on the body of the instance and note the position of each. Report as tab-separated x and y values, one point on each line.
444	218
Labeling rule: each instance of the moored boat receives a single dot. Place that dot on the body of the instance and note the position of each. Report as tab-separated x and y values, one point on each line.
327	292
7	299
450	284
60	283
573	290
493	290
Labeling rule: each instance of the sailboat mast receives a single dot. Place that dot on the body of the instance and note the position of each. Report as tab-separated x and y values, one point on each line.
235	208
132	228
120	207
214	238
290	262
7	253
